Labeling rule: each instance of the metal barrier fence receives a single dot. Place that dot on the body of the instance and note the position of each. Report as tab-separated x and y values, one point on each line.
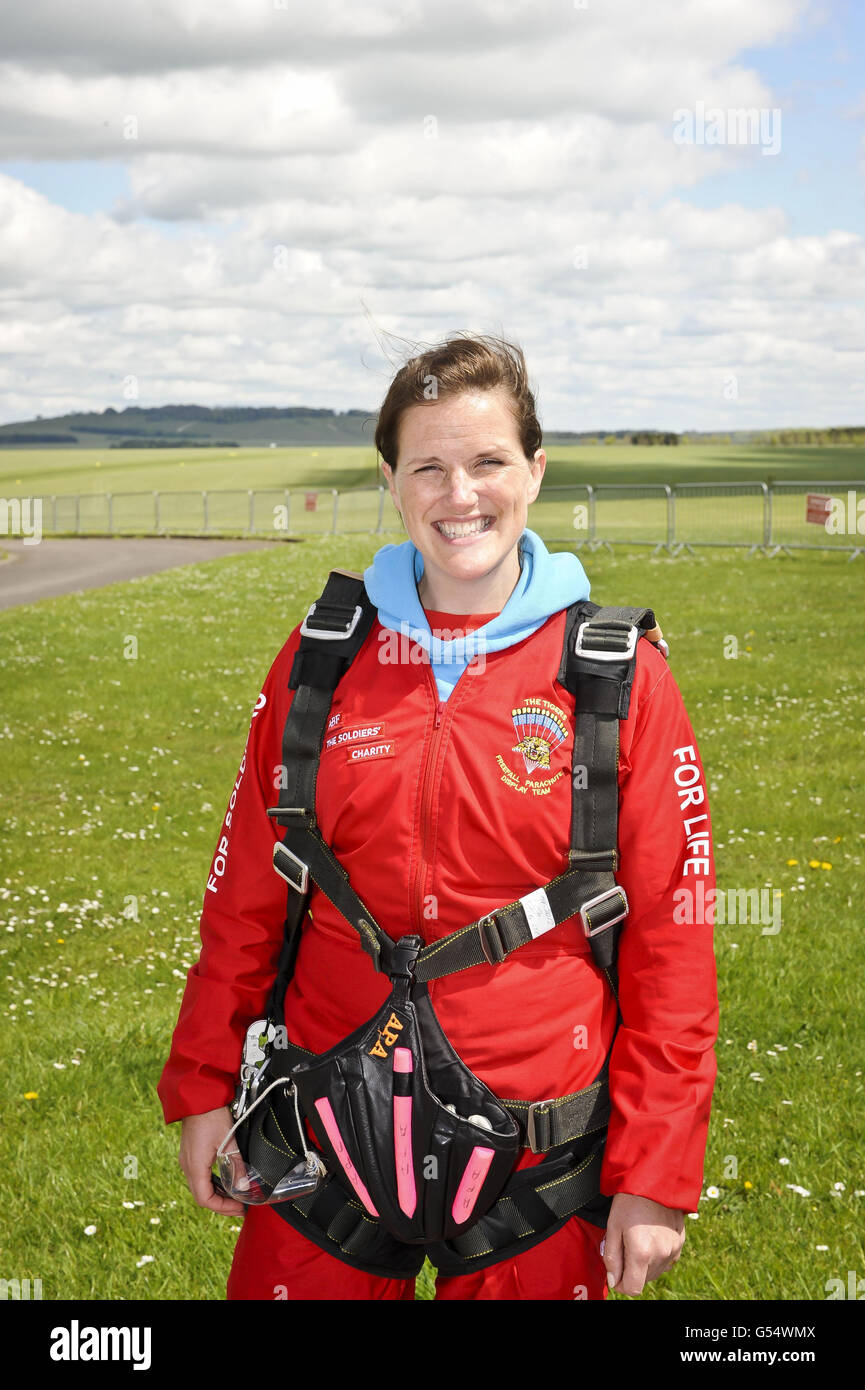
774	518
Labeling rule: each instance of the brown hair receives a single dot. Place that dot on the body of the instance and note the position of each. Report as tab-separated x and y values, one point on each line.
460	363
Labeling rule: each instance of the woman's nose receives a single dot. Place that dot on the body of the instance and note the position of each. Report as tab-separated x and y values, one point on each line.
461	488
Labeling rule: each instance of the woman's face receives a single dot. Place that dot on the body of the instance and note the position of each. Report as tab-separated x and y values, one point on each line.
463	483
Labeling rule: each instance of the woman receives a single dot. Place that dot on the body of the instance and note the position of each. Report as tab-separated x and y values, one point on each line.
444	821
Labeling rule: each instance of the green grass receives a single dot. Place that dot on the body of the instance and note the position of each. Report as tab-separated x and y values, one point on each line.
41	472
116	775
115	492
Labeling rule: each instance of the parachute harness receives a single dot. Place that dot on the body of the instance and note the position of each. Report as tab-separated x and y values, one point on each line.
419	1155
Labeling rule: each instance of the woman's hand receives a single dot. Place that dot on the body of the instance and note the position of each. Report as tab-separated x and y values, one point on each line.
201	1136
643	1241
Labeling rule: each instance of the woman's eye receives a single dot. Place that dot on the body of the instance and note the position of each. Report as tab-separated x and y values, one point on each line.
432	468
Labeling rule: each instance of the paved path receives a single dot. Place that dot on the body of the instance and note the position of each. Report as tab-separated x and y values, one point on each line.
67	566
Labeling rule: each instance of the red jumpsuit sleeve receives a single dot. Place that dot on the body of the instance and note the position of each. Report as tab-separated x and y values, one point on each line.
663	1064
241	921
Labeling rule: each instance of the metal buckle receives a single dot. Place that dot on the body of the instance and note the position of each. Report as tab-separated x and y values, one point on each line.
484	926
602	898
594	654
531	1131
322	634
280	849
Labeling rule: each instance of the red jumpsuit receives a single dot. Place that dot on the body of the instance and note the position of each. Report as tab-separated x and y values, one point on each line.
431	810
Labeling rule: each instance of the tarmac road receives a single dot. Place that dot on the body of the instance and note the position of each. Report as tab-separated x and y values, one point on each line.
68	566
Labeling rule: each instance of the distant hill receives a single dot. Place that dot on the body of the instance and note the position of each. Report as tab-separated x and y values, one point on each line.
168	426
173	425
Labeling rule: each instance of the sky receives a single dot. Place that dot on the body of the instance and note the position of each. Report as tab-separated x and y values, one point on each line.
263	202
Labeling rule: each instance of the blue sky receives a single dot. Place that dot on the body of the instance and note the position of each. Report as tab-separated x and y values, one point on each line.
817	82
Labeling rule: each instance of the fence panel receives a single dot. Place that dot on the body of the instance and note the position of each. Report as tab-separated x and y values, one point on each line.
65	513
132	513
180	513
223	511
359	509
839	529
92	512
267	515
716	514
631	514
562	514
311	517
720	513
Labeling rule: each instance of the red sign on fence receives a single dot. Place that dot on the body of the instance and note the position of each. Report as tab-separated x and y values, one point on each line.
818	508
309	501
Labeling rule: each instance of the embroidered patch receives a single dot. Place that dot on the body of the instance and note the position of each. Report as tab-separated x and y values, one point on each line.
355	733
363	752
540	728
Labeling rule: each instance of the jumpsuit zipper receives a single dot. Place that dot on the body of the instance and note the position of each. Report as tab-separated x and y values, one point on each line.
425	809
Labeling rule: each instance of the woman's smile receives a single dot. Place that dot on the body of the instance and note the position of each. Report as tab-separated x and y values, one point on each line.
462	533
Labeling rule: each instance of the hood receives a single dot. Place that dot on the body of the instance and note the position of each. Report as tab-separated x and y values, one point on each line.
547	584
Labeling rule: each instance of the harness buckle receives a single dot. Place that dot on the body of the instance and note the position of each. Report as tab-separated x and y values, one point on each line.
327	615
583	647
617	892
404	953
536	1142
491	941
289	860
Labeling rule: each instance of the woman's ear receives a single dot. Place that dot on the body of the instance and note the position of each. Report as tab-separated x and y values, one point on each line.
388	477
537	466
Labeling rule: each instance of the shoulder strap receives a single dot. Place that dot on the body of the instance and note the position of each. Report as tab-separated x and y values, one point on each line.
332	633
597	667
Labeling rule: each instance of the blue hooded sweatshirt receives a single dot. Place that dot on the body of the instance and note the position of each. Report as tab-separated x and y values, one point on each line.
547	583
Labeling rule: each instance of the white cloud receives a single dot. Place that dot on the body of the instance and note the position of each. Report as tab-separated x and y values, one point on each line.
482	164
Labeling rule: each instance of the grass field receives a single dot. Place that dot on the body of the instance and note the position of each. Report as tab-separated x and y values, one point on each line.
117	772
41	472
263	492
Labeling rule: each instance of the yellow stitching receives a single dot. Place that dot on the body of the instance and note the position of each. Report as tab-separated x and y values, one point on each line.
452	936
559	1100
572	1174
511	907
367	931
541	1188
612	986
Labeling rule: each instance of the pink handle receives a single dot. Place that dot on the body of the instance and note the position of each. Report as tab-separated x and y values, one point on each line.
405	1184
471	1183
328	1119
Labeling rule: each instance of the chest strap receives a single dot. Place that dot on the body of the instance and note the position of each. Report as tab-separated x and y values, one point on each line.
588	889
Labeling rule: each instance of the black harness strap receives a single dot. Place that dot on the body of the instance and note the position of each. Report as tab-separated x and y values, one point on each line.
342	617
598	668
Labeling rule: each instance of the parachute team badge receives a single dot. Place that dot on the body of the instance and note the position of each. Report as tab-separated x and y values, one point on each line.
540	728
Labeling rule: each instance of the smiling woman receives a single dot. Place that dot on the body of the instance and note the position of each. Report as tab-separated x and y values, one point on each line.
460	444
514	808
